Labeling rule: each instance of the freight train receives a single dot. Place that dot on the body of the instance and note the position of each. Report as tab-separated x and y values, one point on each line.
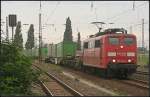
113	52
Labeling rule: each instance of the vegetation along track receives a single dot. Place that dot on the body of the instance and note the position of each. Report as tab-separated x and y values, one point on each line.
56	87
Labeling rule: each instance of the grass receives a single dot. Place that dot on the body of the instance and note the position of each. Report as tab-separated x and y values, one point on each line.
53	67
143	59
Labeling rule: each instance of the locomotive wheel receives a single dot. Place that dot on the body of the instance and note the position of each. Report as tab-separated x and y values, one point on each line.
83	68
125	75
109	73
80	65
93	70
121	74
86	69
104	74
97	72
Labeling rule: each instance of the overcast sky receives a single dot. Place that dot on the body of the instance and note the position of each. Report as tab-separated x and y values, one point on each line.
81	13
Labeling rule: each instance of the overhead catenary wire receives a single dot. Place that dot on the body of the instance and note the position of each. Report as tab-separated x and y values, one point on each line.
140	24
96	17
91	5
136	25
124	12
93	8
133	5
96	14
52	12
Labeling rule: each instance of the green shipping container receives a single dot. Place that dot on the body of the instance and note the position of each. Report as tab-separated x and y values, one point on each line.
44	52
65	49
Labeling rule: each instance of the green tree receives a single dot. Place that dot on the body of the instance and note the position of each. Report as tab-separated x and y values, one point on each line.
16	74
68	31
30	41
79	42
18	40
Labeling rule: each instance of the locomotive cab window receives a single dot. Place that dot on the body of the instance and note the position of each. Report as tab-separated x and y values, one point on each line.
113	41
97	43
85	44
128	41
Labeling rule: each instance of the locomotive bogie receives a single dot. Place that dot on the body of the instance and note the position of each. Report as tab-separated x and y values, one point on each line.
127	69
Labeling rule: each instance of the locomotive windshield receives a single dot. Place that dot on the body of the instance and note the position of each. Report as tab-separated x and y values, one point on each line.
114	41
128	41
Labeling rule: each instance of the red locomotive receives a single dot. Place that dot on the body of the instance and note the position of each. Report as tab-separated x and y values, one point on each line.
112	51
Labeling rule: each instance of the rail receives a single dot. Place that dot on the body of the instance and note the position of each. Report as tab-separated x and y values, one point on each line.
137	83
142	72
45	88
67	87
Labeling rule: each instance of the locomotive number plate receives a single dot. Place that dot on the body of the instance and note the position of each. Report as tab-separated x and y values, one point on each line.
121	54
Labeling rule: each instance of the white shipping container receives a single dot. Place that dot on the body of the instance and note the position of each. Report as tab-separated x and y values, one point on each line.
54	50
50	50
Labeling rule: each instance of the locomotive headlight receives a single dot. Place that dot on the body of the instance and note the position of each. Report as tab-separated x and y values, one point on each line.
114	60
111	54
121	46
129	60
130	54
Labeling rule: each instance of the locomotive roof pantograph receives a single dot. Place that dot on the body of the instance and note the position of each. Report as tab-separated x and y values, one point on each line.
110	31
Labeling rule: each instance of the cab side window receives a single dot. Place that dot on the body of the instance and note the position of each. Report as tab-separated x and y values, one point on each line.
97	43
85	45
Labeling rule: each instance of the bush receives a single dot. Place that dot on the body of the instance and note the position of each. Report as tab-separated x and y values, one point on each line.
16	75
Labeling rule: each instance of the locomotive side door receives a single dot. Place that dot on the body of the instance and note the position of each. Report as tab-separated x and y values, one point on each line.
98	54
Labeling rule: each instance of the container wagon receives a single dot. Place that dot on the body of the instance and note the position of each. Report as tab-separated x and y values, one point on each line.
65	50
51	54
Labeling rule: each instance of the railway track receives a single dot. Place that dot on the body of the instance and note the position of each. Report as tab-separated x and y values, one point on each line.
56	87
141	81
142	73
45	89
138	83
140	76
